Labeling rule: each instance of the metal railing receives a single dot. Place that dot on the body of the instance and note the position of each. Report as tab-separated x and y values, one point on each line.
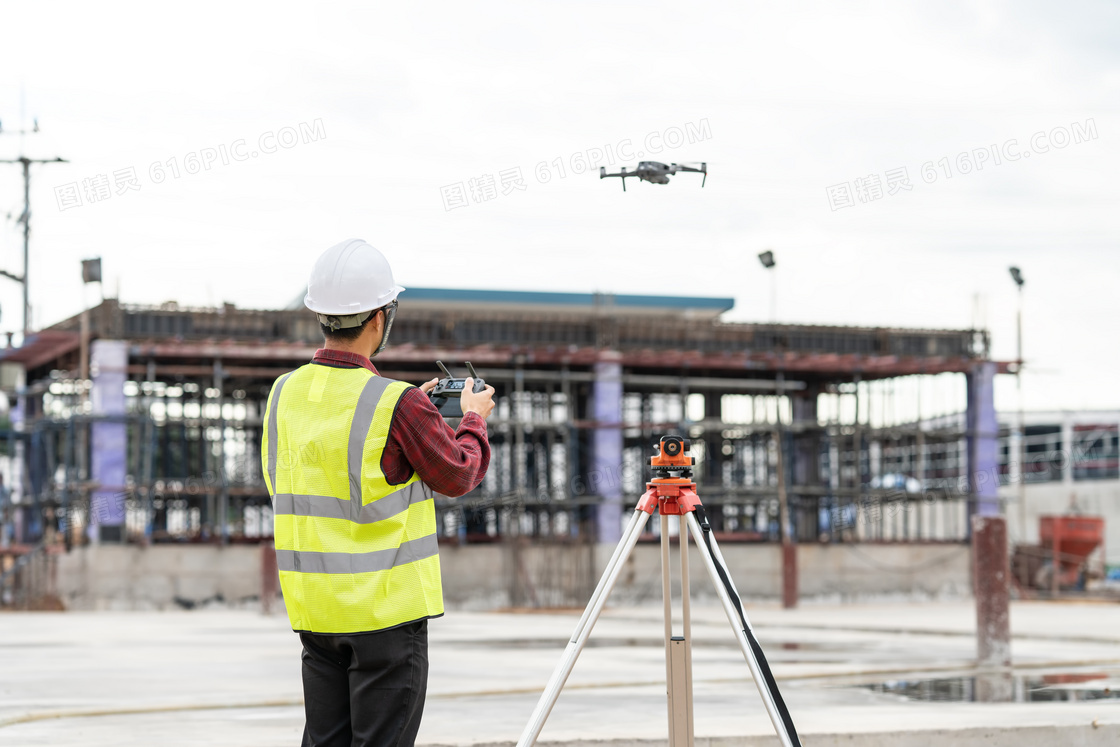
28	578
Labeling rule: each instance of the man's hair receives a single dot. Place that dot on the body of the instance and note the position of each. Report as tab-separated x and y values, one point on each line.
347	334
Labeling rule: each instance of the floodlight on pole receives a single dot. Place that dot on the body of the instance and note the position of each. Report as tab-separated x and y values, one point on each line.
1017	276
91	273
91	270
768	262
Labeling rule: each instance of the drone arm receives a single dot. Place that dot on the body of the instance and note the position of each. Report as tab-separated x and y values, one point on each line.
603	175
702	170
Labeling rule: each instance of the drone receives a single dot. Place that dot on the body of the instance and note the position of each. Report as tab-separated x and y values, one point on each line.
655	172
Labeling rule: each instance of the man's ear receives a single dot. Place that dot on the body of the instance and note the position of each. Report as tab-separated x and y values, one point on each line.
376	329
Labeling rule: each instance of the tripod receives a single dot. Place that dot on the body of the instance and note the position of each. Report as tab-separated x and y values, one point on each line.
673	493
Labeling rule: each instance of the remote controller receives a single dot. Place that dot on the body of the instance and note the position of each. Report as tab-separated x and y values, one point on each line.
447	391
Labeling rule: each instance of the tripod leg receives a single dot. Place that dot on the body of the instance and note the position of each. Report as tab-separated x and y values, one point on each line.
686	616
678	649
583	630
666	592
756	659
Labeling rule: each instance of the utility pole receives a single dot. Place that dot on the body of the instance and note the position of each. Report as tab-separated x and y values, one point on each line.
1017	276
26	220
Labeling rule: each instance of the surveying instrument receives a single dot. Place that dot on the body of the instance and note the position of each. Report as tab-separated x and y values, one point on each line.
672	492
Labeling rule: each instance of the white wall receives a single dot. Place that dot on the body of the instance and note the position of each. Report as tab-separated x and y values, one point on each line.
132	577
502	575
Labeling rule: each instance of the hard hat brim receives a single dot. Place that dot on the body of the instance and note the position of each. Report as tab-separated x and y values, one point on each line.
346	309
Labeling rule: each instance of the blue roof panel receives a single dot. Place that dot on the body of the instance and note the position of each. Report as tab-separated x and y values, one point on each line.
546	298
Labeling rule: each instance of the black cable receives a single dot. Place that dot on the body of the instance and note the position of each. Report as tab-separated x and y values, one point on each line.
760	657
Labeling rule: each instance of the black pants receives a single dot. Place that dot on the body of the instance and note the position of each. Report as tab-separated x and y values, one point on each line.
365	689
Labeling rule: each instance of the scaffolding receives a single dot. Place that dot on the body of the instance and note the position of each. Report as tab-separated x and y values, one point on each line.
818	414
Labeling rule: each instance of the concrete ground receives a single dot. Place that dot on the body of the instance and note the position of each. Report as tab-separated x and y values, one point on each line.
232	677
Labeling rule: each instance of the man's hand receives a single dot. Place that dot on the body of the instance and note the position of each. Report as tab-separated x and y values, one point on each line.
480	402
428	386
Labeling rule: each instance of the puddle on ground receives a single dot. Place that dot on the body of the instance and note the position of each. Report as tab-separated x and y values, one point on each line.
1006	688
812	646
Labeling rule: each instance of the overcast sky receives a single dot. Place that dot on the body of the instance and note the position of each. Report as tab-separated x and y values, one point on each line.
403	105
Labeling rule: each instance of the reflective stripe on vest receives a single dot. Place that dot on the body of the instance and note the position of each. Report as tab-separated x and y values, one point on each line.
335	508
355	554
357	562
272	439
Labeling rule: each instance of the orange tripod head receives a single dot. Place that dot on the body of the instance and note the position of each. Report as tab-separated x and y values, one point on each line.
670	488
672	463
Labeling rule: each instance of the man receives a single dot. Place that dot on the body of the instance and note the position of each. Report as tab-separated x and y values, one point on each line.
352	461
5	500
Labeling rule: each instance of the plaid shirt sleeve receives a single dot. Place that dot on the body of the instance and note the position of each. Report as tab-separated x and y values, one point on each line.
450	462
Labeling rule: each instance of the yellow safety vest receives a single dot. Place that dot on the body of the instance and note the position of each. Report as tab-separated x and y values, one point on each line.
355	553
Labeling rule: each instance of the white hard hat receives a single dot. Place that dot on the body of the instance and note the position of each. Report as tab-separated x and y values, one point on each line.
349	279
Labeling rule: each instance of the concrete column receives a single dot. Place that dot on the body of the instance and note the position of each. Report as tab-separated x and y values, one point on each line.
606	445
803	468
990	566
270	576
991	573
712	476
11	521
805	459
1067	449
108	440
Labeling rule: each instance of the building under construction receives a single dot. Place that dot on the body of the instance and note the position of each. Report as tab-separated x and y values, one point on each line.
143	426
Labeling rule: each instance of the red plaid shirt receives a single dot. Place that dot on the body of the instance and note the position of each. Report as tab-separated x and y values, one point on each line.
449	462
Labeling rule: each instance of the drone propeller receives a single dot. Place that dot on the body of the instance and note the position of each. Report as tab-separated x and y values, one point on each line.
687	167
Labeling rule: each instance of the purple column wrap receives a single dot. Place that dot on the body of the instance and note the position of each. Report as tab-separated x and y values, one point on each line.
108	447
983	440
606	446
